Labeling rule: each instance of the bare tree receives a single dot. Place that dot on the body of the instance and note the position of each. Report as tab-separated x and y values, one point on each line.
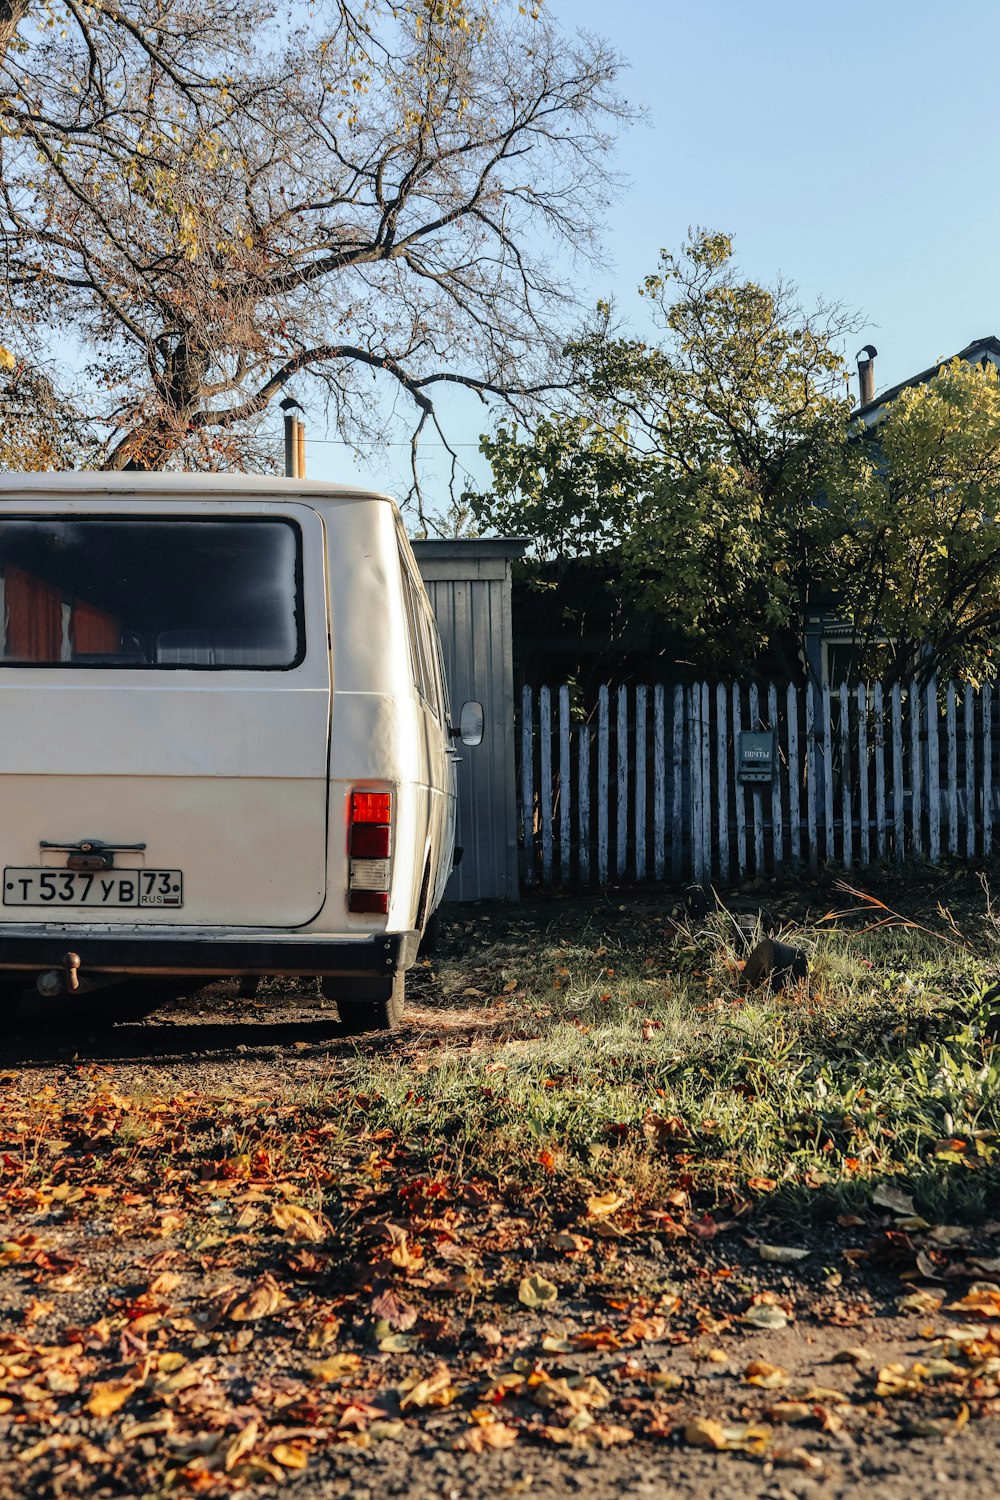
212	208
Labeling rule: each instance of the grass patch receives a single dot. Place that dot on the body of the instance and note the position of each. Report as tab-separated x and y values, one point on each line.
626	1050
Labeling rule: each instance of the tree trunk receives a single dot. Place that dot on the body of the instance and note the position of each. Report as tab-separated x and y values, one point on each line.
11	15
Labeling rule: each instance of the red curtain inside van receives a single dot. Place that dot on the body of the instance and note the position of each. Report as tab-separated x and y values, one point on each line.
34	618
92	632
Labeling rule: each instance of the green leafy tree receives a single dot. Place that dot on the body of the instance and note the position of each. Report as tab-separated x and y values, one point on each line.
913	556
696	459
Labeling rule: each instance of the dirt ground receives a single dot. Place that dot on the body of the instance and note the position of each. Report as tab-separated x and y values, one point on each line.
840	1329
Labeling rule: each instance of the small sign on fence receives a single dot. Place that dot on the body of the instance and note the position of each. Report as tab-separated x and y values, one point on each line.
756	757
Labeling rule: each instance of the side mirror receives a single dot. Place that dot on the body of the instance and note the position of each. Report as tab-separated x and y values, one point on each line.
470	728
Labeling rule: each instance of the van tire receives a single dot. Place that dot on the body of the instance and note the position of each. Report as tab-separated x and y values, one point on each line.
366	1005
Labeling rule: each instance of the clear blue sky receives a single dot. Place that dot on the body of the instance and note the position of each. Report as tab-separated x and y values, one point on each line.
851	147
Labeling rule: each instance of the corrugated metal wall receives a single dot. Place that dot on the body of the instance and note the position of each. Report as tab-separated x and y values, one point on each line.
469	587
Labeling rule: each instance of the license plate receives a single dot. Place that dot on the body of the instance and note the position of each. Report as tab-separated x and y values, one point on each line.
106	888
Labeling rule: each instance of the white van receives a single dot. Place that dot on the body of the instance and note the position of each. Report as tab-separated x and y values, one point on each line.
225	740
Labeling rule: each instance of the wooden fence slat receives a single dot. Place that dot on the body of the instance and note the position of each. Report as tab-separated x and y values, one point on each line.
812	790
741	807
757	798
794	781
722	778
777	838
847	830
969	729
640	783
706	782
677	809
897	771
987	697
583	804
621	823
527	790
545	781
952	733
863	768
659	783
603	736
694	763
915	703
878	730
830	851
933	775
564	787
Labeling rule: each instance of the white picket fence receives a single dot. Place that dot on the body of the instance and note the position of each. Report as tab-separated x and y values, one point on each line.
646	784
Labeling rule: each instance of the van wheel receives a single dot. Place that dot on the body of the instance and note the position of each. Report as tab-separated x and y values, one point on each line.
367	1004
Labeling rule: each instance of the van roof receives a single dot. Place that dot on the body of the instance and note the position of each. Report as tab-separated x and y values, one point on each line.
188	486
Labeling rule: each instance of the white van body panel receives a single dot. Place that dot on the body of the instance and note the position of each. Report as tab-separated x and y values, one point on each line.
239	778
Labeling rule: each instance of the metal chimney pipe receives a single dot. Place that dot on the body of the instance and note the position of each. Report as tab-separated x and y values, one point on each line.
290	446
300	449
866	374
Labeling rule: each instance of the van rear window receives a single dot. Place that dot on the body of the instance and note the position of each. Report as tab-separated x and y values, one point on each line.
100	591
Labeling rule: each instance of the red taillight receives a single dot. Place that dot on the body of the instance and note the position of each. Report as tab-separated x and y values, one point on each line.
370	840
371	807
370	901
369	847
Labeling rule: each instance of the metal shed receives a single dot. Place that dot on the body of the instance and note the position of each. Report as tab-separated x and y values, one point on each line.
469	587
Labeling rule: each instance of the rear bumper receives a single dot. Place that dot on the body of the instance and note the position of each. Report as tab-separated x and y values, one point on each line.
131	953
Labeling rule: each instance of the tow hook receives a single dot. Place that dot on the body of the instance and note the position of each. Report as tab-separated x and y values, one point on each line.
55	981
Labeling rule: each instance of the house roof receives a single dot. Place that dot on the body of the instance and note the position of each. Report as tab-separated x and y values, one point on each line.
977	352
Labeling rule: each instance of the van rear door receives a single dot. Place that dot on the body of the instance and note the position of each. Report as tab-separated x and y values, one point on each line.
164	714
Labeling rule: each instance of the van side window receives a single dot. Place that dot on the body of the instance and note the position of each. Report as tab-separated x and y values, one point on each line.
442	677
422	675
432	646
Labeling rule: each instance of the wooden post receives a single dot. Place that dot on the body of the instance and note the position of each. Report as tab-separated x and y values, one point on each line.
659	783
677	804
777	839
879	731
897	772
694	763
933	774
987	697
564	787
757	797
846	808
951	733
969	726
863	771
706	782
916	770
639	795
527	789
621	747
794	780
583	804
722	776
545	780
812	778
830	853
741	810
